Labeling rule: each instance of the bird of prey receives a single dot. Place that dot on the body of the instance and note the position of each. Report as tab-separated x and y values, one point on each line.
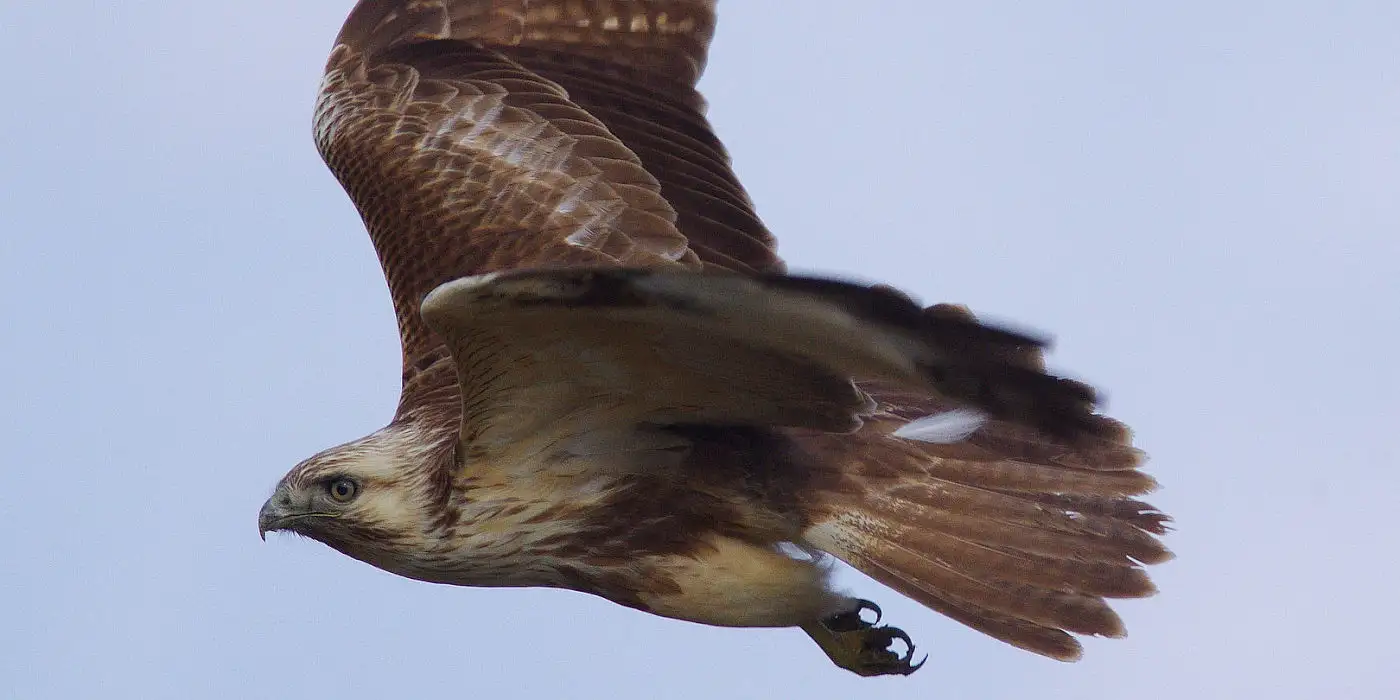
610	384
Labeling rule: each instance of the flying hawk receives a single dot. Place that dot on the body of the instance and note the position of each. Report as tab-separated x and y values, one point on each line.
611	386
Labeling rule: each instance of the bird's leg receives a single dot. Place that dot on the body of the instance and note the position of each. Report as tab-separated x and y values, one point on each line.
863	647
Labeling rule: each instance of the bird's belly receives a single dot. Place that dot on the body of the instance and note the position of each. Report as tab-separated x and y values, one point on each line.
737	584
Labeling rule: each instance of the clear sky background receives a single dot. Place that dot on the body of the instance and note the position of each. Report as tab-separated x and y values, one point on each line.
1200	200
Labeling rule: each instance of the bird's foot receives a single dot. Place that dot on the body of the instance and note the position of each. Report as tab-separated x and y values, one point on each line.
863	647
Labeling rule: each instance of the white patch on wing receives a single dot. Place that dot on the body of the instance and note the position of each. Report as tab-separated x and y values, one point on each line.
483	122
520	146
590	235
445	129
574	196
943	428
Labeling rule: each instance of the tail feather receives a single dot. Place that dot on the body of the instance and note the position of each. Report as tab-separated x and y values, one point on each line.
1033	478
1011	530
1085	550
1140	515
984	561
1010	567
1040	639
962	580
910	501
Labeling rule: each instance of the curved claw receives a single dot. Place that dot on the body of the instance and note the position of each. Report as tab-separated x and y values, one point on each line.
851	620
872	607
862	605
881	660
861	647
910	668
881	637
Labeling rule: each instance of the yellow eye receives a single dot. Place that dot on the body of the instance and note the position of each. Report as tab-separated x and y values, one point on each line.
342	490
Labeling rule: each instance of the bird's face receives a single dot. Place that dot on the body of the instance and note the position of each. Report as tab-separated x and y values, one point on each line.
357	498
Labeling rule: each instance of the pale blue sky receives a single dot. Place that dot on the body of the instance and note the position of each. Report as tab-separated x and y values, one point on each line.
1198	199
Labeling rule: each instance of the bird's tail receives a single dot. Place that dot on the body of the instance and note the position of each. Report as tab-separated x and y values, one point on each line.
995	526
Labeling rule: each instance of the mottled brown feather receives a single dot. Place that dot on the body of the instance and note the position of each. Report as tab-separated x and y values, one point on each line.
603	93
484	135
660	119
461	161
1007	530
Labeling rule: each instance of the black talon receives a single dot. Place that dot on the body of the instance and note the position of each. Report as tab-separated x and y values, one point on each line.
851	621
877	644
901	635
880	638
910	668
860	646
908	656
863	605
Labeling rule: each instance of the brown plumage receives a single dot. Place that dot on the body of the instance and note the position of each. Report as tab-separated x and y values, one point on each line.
610	385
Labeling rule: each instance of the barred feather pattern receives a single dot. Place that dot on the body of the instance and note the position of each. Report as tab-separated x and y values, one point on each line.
1011	534
484	135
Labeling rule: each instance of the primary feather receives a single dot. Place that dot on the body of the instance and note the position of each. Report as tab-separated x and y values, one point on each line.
613	387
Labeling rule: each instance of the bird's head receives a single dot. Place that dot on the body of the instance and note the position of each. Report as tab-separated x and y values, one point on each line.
369	499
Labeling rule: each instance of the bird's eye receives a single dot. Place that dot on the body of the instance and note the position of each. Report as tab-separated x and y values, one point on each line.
342	490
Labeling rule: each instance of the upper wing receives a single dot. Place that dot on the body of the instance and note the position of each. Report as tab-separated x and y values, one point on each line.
559	355
634	66
480	135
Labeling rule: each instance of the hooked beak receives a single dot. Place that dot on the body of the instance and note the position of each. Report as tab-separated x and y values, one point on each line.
279	511
272	515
